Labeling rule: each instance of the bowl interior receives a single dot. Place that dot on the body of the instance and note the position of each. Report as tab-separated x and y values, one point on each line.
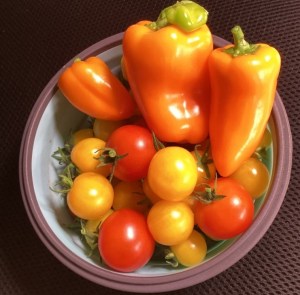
50	123
56	123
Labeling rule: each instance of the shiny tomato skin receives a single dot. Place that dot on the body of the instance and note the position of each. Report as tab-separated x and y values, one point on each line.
254	176
172	173
169	222
125	243
229	216
136	143
191	251
91	196
85	153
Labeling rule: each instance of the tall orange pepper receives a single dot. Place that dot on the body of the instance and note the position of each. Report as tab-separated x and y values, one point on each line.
243	81
165	63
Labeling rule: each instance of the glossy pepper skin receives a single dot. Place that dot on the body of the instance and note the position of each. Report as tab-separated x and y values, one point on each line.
93	89
166	66
243	81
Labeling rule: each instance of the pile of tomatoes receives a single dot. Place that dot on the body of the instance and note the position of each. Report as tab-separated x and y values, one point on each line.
133	194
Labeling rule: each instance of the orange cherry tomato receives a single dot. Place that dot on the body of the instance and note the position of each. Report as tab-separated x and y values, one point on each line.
104	128
170	223
81	134
254	176
85	153
192	251
172	173
91	196
130	195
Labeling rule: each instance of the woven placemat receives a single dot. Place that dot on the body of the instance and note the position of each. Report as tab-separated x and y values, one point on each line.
37	38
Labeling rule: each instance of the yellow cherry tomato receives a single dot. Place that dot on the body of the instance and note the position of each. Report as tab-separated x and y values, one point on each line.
91	196
103	128
172	173
81	134
130	195
192	251
169	222
85	153
254	176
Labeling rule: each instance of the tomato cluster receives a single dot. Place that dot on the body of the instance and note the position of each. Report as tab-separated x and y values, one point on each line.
133	193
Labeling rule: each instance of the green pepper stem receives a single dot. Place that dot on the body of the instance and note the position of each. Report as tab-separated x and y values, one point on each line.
241	46
77	59
186	15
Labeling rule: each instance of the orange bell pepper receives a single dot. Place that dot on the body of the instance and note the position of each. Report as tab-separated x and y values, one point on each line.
243	83
165	63
92	88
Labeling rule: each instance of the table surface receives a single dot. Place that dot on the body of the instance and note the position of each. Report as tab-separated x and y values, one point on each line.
38	38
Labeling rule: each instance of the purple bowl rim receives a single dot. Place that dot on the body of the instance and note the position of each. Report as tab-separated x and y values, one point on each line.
145	283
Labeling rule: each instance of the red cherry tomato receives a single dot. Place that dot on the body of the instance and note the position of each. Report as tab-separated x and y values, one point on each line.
136	143
228	216
125	243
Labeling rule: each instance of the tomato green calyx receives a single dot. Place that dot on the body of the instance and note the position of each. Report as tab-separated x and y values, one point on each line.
208	195
241	46
63	155
65	180
158	145
163	256
110	156
170	258
204	160
91	238
77	59
69	172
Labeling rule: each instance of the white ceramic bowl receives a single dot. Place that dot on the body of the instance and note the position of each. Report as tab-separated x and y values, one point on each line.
50	122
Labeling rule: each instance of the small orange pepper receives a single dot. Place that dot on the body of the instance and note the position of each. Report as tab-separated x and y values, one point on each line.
243	84
93	89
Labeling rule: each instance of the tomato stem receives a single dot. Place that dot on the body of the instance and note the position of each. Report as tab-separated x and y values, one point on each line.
109	156
208	194
158	145
203	160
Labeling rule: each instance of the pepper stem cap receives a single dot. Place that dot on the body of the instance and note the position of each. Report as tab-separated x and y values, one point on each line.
186	15
241	46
